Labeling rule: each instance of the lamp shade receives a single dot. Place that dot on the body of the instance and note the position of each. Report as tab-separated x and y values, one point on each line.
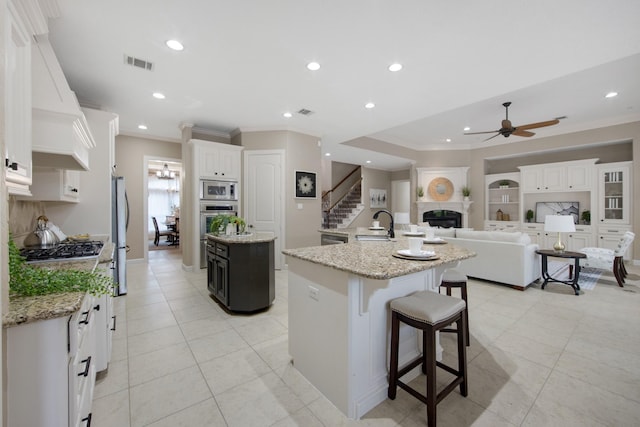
401	217
559	223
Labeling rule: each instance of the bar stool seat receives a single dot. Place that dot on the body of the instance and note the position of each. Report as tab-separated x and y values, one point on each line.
430	312
454	279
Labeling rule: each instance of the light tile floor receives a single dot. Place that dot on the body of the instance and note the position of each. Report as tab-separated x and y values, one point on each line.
537	358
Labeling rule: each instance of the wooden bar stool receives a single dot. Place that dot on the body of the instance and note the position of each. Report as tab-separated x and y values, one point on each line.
454	279
430	312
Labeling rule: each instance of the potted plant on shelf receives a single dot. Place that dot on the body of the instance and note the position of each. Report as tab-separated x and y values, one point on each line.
466	192
586	217
227	224
504	184
420	192
529	215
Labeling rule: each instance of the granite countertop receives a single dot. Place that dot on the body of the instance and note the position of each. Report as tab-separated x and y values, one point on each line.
255	237
43	307
375	260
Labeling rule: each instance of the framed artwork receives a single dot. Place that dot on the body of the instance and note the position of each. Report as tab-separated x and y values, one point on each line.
557	208
377	198
306	185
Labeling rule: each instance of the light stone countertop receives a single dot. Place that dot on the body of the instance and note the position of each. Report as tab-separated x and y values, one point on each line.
375	260
43	307
254	237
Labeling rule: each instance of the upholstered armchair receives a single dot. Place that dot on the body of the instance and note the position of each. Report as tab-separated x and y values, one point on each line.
609	259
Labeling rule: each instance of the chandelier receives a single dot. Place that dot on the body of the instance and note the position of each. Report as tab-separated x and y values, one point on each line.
165	173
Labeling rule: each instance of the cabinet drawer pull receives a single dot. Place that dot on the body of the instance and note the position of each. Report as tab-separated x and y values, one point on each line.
11	165
86	318
87	363
114	323
97	307
87	419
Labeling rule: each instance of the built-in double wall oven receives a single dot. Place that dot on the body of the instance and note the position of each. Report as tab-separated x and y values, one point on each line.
216	198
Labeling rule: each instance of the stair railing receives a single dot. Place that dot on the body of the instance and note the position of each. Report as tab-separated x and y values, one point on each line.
327	213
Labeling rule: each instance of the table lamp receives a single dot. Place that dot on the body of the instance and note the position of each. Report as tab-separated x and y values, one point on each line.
561	224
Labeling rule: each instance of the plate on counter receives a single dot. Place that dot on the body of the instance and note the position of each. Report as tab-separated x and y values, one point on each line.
413	233
434	241
377	228
423	255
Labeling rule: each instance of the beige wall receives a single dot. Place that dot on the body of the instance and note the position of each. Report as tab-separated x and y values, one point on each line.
302	153
130	153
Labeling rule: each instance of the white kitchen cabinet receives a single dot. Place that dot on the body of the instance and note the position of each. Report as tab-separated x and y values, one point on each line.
17	103
105	324
55	185
540	179
614	193
580	177
51	370
558	177
218	161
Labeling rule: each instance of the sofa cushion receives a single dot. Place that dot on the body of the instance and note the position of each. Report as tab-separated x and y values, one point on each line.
497	236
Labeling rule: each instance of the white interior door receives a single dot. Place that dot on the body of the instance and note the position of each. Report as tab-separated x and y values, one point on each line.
400	196
263	189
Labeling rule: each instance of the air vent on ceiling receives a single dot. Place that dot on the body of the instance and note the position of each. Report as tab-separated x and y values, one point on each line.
137	62
305	112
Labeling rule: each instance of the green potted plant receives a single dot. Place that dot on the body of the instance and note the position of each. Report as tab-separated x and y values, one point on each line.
586	217
529	215
420	192
504	184
466	192
219	223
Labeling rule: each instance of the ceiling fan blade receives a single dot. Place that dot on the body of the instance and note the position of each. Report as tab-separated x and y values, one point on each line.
538	125
520	132
491	137
478	133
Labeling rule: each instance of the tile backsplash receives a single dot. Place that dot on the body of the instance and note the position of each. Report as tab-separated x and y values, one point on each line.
22	218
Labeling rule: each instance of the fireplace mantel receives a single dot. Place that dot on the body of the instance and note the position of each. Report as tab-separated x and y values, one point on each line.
457	206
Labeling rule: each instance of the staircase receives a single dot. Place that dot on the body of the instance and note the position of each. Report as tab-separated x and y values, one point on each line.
346	210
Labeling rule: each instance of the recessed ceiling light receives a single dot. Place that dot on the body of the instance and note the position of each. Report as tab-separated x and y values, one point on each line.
369	105
143	127
327	154
175	45
466	128
395	67
313	66
448	139
158	95
611	95
368	161
288	115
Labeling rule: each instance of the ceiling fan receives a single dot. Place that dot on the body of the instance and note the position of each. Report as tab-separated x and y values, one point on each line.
508	129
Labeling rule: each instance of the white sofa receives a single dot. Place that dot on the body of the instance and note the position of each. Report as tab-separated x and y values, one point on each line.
504	257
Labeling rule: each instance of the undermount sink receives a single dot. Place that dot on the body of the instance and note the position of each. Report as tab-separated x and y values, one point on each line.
370	237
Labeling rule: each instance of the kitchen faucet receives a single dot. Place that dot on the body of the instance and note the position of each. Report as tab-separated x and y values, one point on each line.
391	233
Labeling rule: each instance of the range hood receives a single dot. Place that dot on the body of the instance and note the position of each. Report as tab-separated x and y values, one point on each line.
61	137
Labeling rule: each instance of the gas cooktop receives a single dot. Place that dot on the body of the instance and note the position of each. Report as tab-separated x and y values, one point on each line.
64	251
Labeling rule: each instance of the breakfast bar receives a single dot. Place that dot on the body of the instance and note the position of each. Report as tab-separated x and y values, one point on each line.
339	325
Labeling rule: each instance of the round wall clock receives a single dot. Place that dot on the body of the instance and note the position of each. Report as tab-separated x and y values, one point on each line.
440	189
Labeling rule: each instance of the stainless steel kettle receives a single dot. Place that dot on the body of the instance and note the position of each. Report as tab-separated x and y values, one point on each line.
42	237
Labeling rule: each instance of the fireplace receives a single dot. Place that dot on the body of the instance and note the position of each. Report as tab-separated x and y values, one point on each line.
443	218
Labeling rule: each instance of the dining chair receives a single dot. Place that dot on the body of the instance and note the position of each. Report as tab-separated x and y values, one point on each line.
609	259
175	233
159	233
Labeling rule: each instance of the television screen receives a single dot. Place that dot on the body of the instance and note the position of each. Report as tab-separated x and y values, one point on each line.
557	208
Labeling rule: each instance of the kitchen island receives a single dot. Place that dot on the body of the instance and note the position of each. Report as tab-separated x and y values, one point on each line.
339	325
241	270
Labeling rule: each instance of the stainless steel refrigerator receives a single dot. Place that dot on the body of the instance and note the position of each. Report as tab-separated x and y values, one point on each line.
119	225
